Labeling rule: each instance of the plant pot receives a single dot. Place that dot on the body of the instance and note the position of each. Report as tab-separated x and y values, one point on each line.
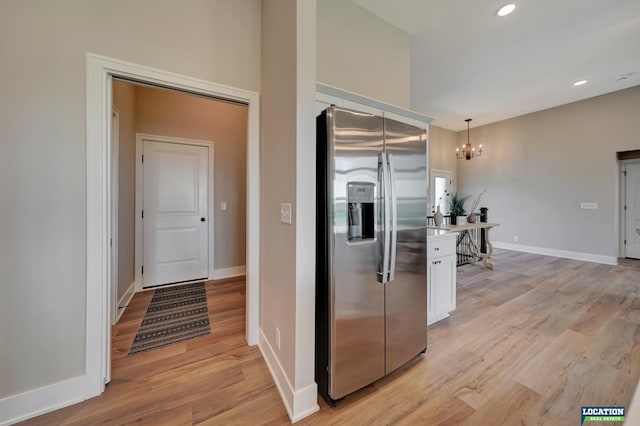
452	219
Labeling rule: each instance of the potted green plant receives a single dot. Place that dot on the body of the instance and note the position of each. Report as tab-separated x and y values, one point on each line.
456	207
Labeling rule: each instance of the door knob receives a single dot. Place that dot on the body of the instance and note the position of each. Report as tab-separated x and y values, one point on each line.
202	219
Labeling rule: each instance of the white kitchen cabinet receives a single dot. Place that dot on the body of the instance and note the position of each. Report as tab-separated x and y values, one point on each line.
441	276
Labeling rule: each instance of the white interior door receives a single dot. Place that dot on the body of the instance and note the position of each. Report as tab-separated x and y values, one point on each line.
175	204
632	211
441	182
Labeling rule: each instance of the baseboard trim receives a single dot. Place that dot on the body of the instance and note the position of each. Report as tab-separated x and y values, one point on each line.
305	402
125	299
575	255
298	403
234	271
437	318
26	405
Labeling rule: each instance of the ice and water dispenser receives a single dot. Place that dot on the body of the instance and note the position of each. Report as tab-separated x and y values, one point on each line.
360	217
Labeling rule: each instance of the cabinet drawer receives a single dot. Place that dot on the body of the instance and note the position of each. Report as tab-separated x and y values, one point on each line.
441	248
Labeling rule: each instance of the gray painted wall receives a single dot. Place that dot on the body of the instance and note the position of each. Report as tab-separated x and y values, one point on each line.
42	154
287	277
537	168
359	52
278	174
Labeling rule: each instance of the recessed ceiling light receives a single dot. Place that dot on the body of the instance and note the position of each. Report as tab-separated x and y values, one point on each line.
506	9
580	82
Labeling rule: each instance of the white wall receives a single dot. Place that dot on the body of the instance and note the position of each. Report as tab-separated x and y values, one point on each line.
42	154
359	52
537	168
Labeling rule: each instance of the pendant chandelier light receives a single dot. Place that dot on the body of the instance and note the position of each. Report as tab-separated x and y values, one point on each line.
467	152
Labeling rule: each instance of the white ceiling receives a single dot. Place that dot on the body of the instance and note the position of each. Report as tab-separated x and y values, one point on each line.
466	62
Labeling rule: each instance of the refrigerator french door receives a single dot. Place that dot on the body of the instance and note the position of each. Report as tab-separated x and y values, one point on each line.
371	297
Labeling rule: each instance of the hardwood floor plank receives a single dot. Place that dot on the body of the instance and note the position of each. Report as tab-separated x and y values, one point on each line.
615	343
554	360
591	321
577	388
514	404
443	409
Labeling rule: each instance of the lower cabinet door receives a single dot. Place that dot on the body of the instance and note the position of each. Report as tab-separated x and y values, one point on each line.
441	289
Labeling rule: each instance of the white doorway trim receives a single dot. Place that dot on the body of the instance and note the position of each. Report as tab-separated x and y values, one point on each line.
622	199
115	165
622	204
100	71
139	249
447	174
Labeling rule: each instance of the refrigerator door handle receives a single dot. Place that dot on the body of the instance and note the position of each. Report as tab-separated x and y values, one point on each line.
386	231
394	217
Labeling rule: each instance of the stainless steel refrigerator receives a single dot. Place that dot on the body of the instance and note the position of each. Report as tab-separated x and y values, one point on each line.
371	283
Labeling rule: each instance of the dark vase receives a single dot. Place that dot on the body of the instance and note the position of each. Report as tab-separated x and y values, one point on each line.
453	219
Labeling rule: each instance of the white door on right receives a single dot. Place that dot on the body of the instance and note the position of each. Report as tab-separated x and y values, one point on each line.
632	213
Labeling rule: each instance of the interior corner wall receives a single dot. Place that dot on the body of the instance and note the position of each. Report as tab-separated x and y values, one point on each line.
278	179
167	113
287	280
361	53
43	151
124	99
442	151
539	167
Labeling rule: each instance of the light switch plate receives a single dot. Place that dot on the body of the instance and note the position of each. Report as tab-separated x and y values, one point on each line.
223	206
589	205
285	213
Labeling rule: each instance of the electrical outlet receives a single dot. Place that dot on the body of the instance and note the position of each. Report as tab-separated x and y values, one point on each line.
278	338
515	239
285	213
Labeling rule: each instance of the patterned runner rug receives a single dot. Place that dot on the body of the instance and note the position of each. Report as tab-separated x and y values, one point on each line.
175	314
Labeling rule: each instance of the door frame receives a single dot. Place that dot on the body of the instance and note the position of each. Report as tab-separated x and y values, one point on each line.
432	189
139	228
115	191
99	100
114	159
622	197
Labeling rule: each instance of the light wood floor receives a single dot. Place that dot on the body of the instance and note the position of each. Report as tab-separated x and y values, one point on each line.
530	343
